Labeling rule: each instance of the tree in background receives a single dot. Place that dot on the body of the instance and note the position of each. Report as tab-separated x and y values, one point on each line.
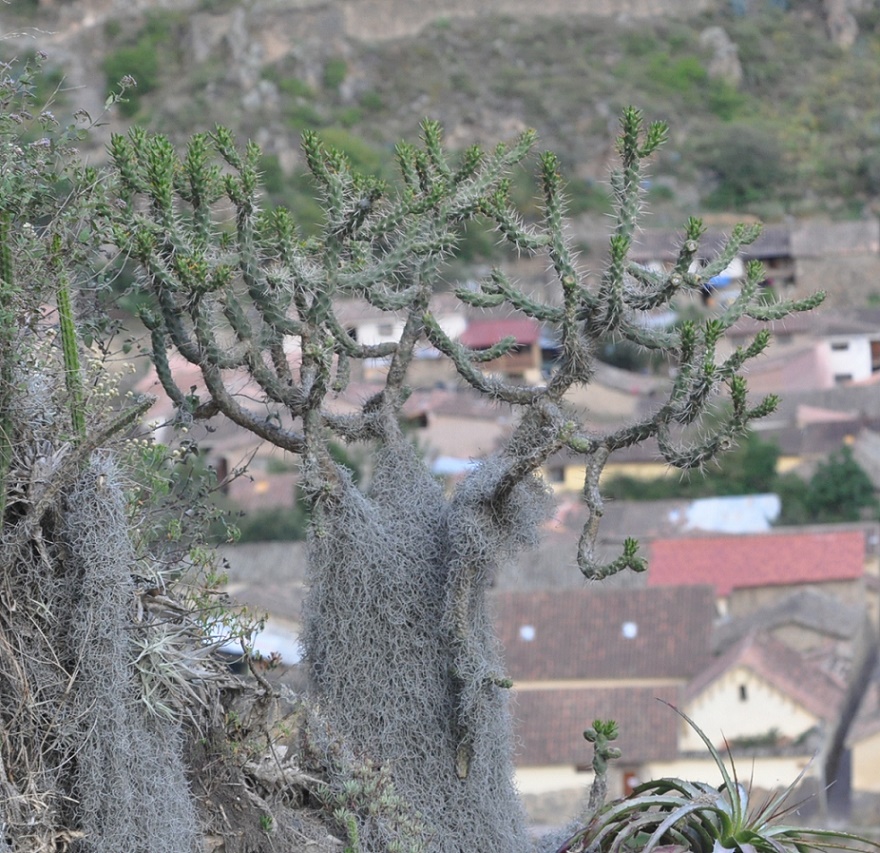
403	663
748	469
839	490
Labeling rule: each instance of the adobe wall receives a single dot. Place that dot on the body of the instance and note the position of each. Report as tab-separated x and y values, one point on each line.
379	20
849	281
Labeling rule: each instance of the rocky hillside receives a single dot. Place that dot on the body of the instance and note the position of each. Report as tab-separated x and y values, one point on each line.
775	106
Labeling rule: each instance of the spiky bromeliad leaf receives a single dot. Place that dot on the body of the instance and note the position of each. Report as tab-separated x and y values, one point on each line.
676	814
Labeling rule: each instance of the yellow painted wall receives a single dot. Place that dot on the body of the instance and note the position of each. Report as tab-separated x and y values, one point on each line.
866	764
784	464
541	780
721	713
764	772
573	474
639	470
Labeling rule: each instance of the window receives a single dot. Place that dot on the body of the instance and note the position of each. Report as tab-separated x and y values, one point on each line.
629	630
839	346
385	329
743	693
840	378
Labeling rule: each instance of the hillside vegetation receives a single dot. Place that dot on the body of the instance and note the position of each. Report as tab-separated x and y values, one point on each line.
798	133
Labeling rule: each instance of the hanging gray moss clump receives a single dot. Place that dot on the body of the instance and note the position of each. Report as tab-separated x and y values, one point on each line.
400	644
83	761
128	776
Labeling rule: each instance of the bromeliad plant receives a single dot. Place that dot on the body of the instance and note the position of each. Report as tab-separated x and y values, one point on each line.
674	816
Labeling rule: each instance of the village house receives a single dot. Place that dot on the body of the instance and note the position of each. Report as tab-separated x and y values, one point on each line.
456	423
576	655
811	622
628	655
526	360
841	258
808	351
369	325
767	704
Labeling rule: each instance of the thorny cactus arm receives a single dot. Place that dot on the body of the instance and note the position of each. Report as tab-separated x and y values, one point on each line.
69	346
241	296
601	734
616	309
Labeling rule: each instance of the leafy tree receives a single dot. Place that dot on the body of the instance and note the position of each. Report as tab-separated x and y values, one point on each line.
402	659
840	490
746	161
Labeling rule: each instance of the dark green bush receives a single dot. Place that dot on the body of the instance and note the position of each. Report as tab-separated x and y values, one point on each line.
747	162
335	72
145	58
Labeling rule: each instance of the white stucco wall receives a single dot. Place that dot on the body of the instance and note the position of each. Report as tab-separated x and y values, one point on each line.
854	360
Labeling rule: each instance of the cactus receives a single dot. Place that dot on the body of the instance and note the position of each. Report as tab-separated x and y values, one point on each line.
397	634
7	337
69	346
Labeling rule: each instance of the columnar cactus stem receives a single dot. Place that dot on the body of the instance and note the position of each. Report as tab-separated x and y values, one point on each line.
6	350
70	349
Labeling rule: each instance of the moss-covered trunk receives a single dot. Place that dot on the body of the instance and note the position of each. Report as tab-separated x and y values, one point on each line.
403	658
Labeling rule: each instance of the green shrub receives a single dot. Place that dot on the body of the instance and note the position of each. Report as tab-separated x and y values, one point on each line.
301	117
273	176
349	117
725	100
291	86
680	75
278	524
145	58
139	61
747	161
335	72
371	101
363	156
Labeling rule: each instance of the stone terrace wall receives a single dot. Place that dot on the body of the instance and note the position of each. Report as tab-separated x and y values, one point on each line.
378	20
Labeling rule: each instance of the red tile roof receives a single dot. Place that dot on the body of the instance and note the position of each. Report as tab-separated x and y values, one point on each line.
549	724
482	334
605	634
767	559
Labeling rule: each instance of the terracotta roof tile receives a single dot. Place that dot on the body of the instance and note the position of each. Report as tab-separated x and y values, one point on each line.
610	634
767	559
482	334
549	724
